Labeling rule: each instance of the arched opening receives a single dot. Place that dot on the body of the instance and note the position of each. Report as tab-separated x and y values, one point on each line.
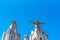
11	37
40	38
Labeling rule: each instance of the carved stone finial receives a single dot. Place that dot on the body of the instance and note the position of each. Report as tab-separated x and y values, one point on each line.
13	22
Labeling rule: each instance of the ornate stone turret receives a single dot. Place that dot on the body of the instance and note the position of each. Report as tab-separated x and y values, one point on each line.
38	34
11	33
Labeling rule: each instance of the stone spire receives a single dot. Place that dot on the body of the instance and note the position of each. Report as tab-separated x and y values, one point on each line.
13	26
37	33
11	33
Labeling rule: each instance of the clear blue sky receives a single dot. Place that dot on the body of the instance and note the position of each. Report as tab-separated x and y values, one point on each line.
22	11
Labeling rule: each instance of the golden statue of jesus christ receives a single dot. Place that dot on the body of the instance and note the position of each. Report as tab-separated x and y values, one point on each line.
37	24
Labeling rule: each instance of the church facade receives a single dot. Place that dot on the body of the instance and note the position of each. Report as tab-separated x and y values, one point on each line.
36	34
